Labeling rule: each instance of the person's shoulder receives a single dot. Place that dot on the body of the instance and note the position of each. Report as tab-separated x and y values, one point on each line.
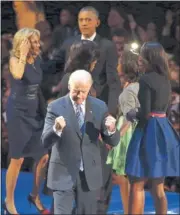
71	40
97	102
147	78
153	79
132	88
57	102
106	41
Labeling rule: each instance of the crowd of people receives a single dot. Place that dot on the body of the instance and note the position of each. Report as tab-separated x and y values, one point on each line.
115	68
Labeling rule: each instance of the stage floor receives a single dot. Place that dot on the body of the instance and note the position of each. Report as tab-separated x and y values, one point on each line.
24	186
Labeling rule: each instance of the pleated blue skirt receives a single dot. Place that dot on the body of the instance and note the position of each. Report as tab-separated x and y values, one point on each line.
154	150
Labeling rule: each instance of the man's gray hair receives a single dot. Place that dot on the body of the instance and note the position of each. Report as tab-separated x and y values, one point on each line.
80	76
90	8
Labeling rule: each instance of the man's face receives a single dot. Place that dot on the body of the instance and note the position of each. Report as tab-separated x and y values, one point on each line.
79	92
88	22
142	34
151	31
65	17
119	42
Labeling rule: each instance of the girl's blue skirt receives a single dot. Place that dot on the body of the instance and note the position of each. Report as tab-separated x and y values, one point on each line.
154	150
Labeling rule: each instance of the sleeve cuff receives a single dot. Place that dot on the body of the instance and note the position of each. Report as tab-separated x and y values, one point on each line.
109	133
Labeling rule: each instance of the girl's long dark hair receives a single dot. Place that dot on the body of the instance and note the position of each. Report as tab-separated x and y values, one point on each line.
130	66
155	58
81	55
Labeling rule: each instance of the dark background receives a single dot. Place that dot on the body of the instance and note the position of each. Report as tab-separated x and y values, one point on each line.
148	10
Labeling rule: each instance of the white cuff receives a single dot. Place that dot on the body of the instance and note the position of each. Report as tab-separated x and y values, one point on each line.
57	132
109	133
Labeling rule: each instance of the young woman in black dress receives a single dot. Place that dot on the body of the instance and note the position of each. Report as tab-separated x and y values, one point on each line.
153	152
25	120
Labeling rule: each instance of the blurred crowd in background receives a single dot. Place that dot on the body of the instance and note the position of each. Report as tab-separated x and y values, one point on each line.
122	22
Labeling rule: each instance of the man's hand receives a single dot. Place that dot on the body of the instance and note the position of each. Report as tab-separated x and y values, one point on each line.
110	123
60	123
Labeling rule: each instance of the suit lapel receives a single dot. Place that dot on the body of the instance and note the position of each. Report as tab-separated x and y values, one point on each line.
70	110
78	38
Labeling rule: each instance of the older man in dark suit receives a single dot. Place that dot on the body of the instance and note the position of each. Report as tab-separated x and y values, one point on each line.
72	128
105	81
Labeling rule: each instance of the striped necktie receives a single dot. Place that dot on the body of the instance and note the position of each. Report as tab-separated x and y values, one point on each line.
80	117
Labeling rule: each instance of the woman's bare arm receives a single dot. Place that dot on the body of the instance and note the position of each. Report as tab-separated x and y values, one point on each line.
124	128
17	67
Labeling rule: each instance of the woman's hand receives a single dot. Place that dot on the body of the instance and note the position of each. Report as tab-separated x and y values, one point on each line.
131	115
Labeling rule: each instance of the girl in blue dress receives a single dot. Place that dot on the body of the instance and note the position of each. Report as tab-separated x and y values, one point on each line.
153	152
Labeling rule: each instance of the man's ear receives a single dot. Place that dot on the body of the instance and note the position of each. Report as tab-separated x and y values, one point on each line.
98	23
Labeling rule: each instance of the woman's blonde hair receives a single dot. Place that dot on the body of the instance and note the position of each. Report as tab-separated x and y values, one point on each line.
24	33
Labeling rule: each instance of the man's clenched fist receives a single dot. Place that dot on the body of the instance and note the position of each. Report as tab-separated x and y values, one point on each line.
60	123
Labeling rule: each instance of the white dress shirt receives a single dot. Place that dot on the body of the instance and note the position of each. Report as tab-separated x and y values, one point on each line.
90	38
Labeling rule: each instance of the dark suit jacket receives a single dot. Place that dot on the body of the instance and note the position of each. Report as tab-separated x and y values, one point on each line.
105	75
67	149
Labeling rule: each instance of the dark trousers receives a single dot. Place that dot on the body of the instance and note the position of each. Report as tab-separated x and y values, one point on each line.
104	196
85	199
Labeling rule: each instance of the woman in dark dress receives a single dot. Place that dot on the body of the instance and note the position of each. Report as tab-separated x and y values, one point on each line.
24	117
153	152
83	55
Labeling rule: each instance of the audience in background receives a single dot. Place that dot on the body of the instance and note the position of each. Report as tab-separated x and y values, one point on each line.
28	13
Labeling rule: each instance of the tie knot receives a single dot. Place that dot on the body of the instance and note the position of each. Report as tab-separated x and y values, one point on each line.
78	107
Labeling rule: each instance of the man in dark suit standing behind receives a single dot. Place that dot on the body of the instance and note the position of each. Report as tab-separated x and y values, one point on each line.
72	128
105	77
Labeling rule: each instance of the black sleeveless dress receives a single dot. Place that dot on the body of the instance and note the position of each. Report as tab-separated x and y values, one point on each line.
24	119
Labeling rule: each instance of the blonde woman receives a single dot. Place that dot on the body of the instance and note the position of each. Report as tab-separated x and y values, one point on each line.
25	118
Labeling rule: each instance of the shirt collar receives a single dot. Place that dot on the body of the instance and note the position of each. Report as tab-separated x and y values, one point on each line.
74	104
90	38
